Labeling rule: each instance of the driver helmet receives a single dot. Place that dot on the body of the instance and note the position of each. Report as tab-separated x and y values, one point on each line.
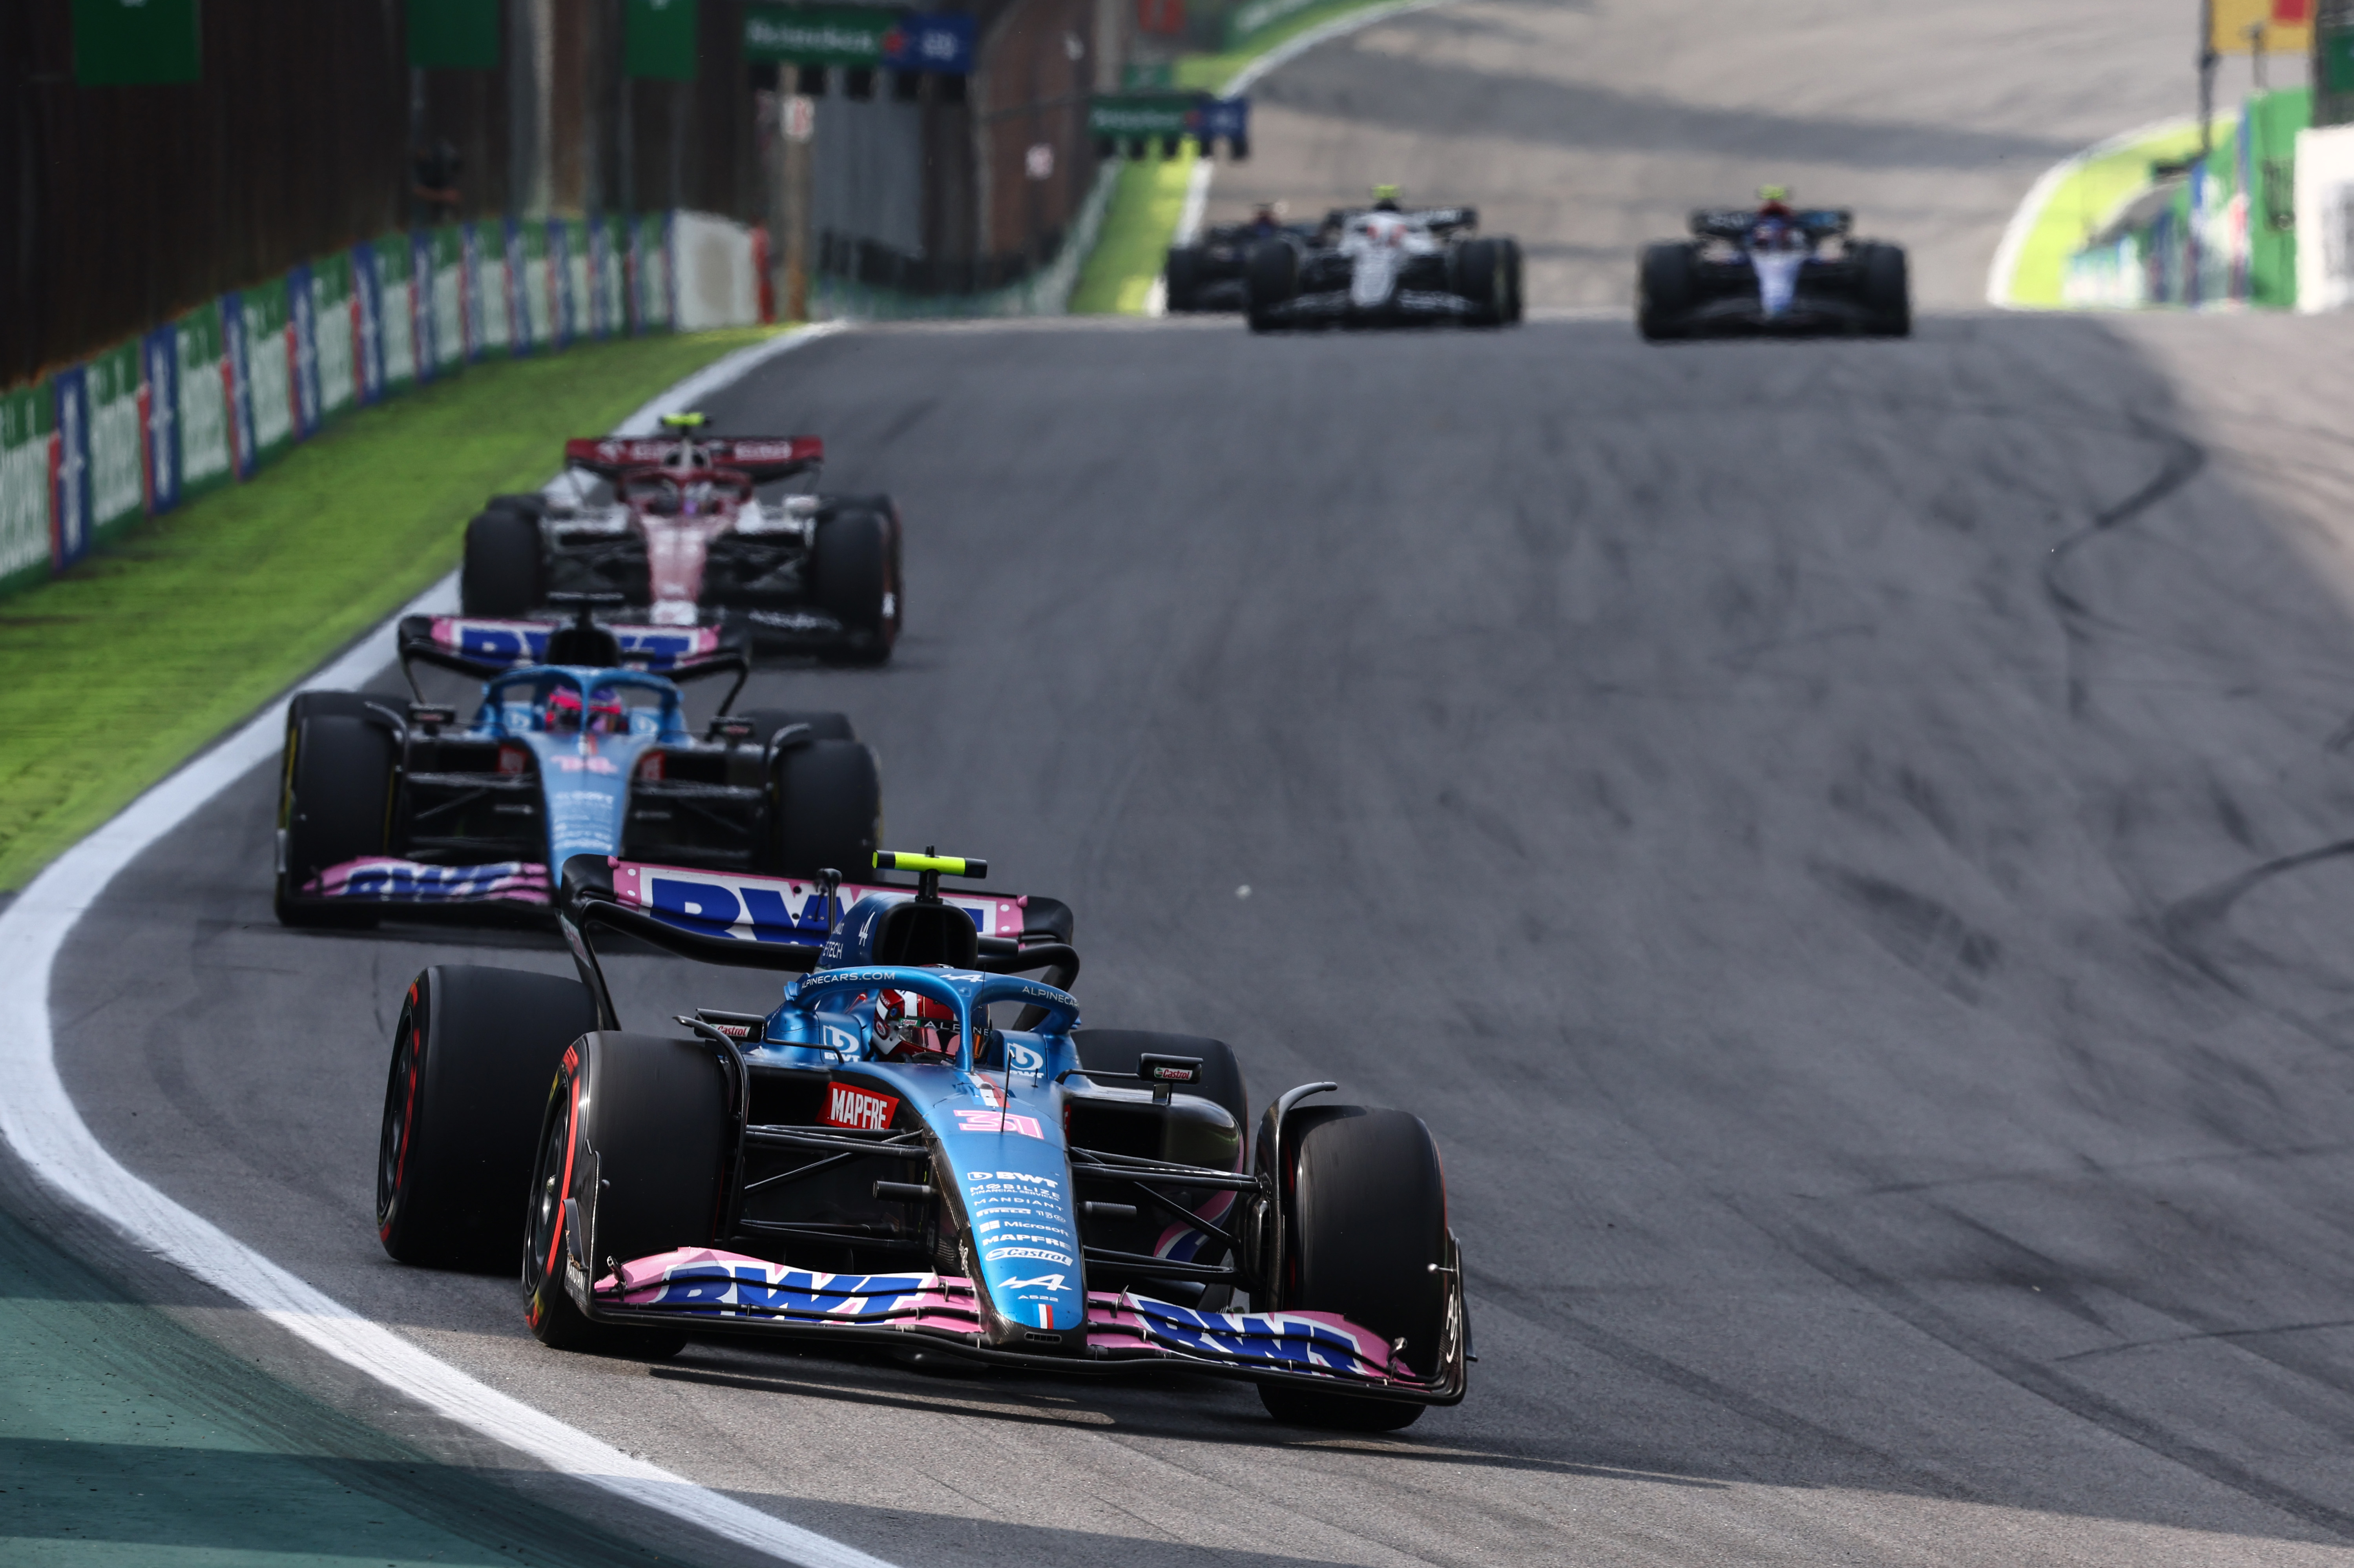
1773	201
1385	199
909	1027
563	712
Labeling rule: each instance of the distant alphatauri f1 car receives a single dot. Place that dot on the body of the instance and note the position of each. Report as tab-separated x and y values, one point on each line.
917	1150
1773	270
696	530
1382	266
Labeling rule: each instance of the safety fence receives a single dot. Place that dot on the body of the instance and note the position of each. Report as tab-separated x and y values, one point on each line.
1043	291
2217	230
215	395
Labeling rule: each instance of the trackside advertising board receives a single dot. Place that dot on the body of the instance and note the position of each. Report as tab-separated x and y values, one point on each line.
219	392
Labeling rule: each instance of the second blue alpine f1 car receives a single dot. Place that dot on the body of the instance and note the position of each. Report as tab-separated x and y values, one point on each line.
577	744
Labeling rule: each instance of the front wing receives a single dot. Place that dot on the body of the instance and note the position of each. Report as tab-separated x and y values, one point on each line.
1407	307
387	879
723	1291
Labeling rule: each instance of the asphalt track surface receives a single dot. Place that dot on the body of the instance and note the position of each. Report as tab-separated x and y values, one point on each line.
1847	845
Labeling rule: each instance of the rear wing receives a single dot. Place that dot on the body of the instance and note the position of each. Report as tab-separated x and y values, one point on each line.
1735	222
774	923
759	457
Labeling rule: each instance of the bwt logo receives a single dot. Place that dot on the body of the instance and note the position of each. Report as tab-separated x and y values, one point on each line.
715	909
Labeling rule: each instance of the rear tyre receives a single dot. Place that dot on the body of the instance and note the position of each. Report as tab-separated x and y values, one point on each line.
1116	1050
1887	291
503	574
1181	277
632	1153
471	1060
766	722
1270	280
825	810
1666	288
850	570
334	801
1478	275
1364	1237
1511	250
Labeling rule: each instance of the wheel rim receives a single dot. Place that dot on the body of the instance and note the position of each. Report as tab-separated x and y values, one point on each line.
545	1224
400	1116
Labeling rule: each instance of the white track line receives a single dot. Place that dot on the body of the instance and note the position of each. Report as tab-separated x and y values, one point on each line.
1197	188
40	1122
2002	275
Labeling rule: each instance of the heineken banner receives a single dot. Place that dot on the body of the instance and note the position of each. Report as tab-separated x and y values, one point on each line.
271	388
334	310
301	353
659	39
453	34
118	43
534	290
608	248
650	264
160	406
571	236
491	287
239	386
1125	116
442	258
69	468
387	273
27	418
208	379
112	389
860	36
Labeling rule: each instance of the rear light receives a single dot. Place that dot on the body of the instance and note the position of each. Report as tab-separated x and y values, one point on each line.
650	767
514	760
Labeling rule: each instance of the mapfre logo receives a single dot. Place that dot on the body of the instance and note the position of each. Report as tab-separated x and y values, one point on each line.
846	1106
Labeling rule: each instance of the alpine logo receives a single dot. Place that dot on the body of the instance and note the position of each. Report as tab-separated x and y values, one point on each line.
858	1108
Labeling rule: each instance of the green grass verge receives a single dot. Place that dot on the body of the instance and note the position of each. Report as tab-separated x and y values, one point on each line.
2083	198
125	666
1134	240
1143	215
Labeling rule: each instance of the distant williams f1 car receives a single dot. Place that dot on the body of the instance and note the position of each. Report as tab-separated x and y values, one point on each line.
919	1149
695	530
569	750
1383	267
1209	273
1775	271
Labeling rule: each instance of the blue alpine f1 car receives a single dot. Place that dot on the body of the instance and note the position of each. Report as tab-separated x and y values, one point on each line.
918	1149
578	744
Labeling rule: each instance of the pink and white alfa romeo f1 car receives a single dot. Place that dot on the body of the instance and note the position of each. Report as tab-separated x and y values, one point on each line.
694	530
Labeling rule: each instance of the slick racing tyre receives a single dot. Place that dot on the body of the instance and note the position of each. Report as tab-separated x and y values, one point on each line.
1886	290
1511	255
1364	1237
631	1157
334	799
851	569
1270	279
768	721
1181	277
825	810
1480	274
471	1056
1666	288
502	574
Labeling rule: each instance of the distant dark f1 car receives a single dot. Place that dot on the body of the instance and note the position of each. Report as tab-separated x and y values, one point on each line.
1208	274
694	530
1749	273
577	744
918	1149
1383	266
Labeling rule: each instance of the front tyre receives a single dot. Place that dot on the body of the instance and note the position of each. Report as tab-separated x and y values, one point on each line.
471	1060
1364	1237
1666	287
631	1161
334	800
1887	291
851	569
